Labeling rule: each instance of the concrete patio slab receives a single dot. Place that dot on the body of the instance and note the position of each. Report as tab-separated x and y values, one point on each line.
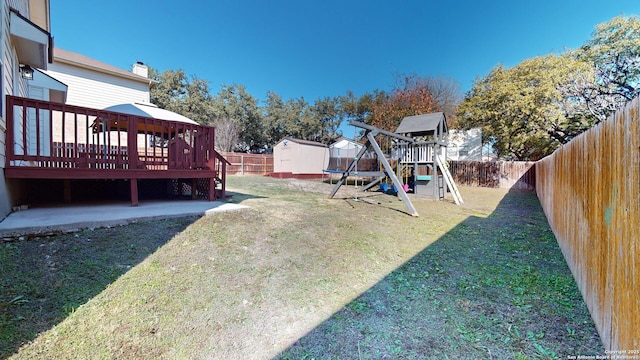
63	218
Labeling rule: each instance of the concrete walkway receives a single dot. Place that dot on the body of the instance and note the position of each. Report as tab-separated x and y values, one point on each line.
62	218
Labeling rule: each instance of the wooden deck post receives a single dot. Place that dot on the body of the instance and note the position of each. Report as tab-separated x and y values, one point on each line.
67	191
134	191
224	179
212	189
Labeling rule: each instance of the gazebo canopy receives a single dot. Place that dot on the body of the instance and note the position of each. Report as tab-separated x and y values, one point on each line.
146	110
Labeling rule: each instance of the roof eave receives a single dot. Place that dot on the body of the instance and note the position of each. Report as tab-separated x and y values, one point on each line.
122	74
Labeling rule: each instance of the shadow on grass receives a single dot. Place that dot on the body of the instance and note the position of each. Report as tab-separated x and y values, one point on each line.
46	279
494	287
43	280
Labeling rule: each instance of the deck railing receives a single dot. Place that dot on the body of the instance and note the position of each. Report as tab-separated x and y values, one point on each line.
54	135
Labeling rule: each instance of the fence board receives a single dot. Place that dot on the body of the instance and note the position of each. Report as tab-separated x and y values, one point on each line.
500	174
590	192
248	164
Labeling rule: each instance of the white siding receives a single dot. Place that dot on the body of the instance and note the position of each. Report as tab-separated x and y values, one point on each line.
10	85
95	89
465	145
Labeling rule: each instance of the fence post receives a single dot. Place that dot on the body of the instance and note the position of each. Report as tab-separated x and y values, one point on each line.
241	164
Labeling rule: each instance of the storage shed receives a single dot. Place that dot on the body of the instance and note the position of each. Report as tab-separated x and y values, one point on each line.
299	158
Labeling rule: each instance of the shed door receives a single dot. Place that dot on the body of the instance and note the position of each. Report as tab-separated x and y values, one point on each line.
286	158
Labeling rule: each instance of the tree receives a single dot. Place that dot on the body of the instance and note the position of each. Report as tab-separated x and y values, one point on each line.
297	118
169	90
227	134
360	108
175	92
329	115
197	104
299	122
522	111
410	97
614	52
444	92
274	118
531	109
235	103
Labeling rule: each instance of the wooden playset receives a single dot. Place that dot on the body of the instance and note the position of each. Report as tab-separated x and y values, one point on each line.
418	152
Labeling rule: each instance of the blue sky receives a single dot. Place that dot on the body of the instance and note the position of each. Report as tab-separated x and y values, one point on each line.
318	48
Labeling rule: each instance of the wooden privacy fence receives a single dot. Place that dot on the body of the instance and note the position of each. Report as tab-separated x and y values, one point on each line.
248	164
496	174
590	192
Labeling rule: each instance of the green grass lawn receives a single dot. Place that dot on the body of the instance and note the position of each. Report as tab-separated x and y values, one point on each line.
300	276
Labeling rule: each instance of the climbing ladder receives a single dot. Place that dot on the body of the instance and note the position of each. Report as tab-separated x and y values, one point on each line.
442	165
441	187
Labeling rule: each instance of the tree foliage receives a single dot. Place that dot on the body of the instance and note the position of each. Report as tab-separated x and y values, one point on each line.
520	109
330	115
529	110
411	96
444	93
614	52
244	125
235	103
299	119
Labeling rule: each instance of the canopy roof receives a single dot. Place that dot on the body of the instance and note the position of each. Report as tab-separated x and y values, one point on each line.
151	111
425	124
160	128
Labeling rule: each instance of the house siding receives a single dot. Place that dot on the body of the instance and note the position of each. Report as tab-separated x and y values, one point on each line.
465	145
93	89
11	85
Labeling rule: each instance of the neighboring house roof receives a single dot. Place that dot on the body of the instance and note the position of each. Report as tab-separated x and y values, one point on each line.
68	57
303	142
422	123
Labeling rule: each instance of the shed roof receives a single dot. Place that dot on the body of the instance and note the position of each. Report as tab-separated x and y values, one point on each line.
303	142
422	123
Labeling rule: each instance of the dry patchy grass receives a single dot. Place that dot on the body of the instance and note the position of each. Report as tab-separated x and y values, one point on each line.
302	276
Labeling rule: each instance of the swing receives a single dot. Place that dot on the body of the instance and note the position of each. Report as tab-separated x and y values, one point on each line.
384	186
393	186
405	186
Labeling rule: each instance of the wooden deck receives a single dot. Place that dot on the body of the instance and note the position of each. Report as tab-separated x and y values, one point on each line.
59	141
